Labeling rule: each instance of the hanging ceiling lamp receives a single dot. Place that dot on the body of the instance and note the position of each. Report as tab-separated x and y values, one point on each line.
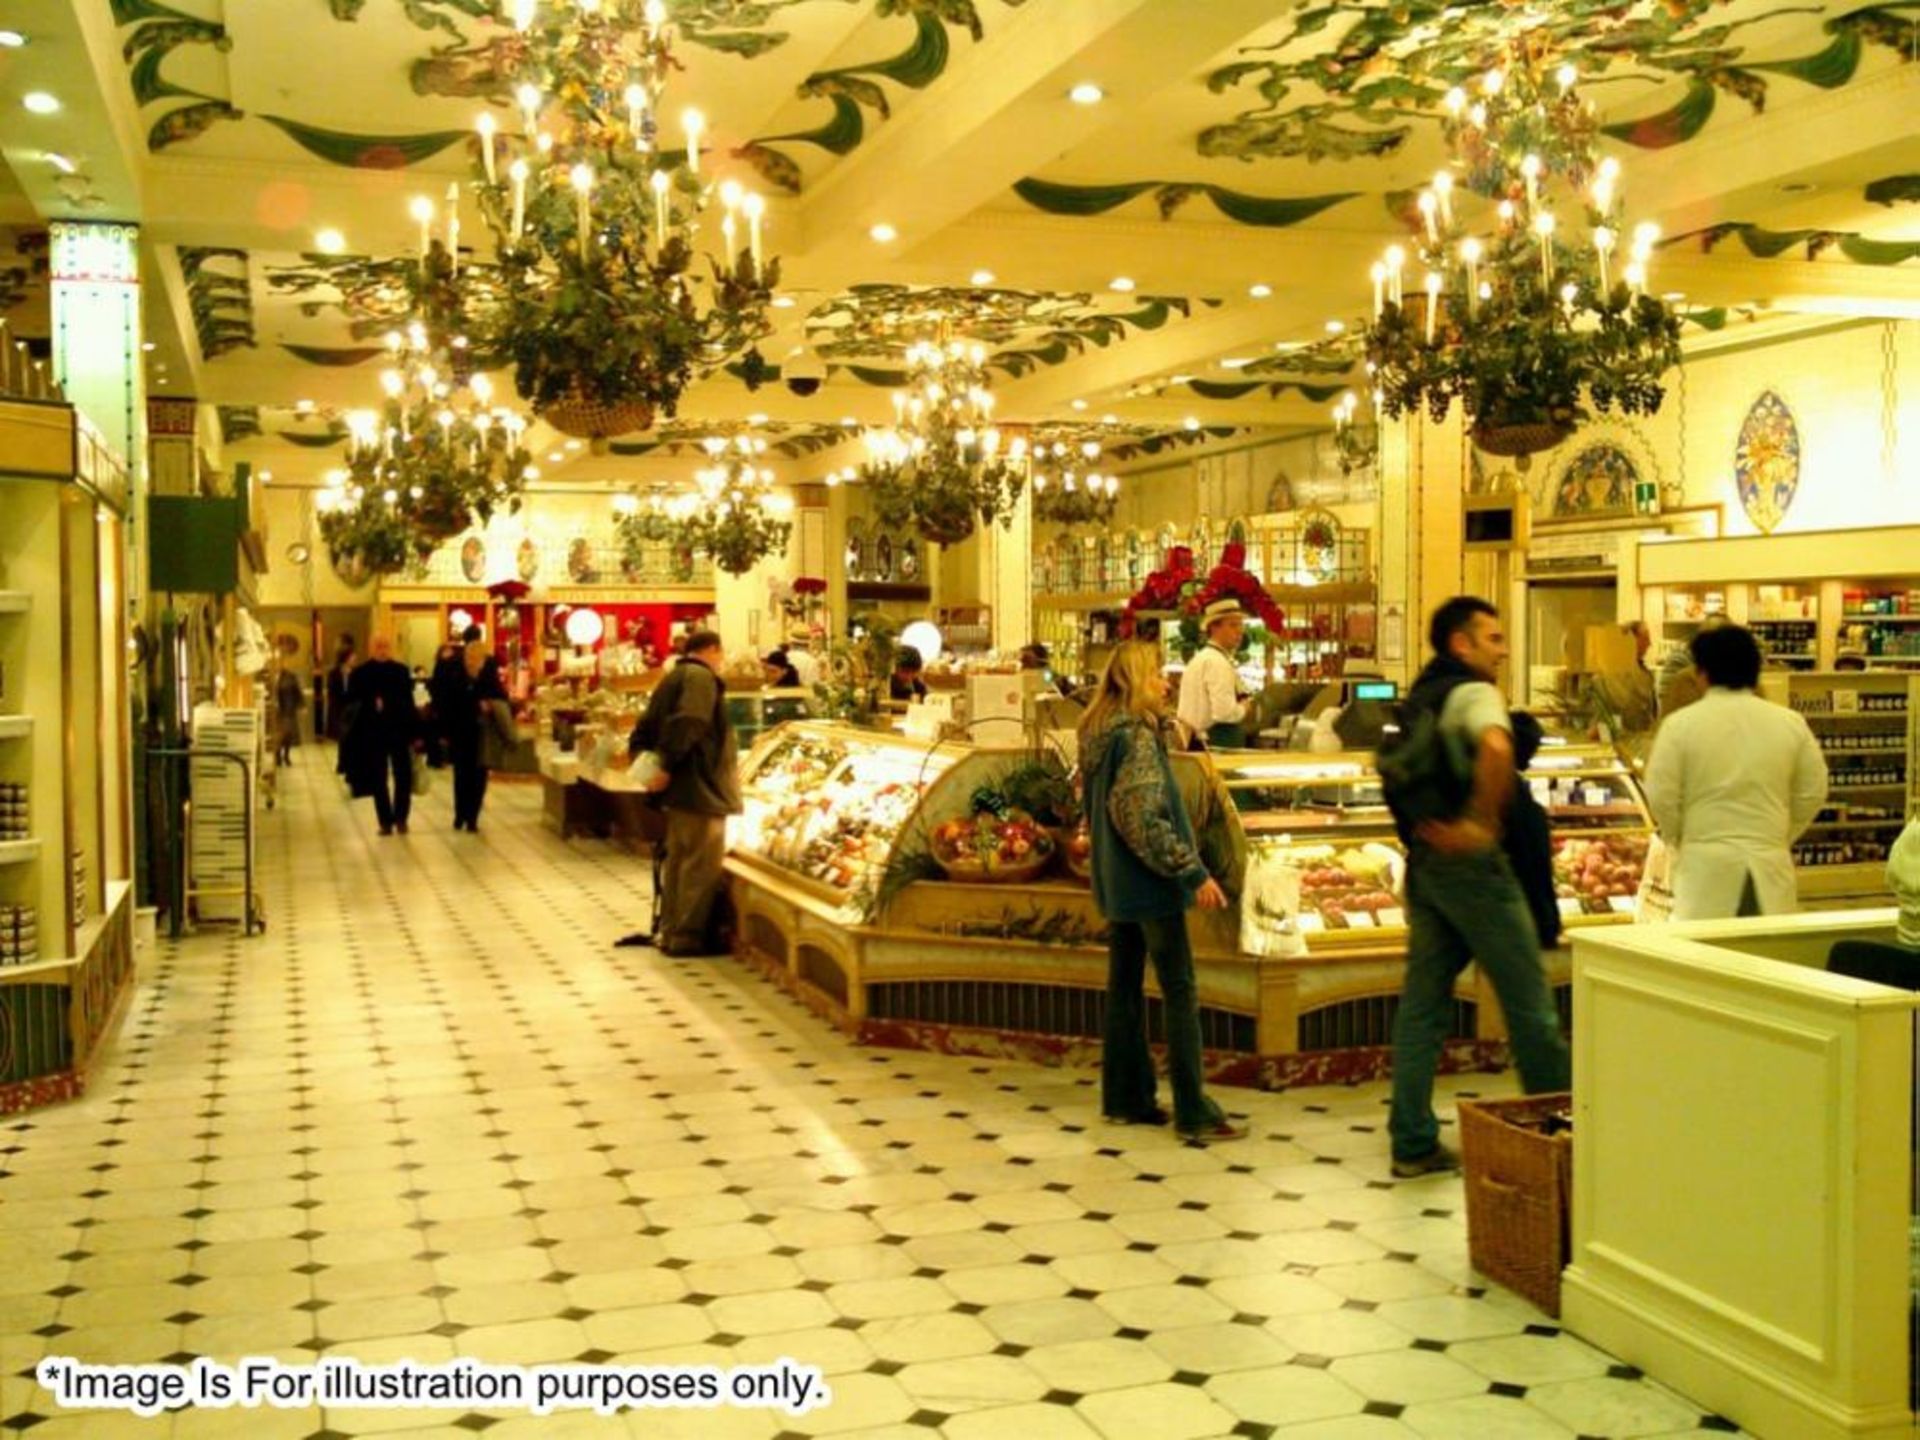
738	520
607	316
1550	308
1067	489
941	466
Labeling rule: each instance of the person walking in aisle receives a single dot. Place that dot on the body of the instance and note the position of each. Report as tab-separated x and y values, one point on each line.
343	658
1147	873
477	720
686	724
1463	902
1732	782
1211	709
380	741
289	699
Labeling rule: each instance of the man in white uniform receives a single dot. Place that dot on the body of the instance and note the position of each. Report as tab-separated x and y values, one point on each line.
801	657
1733	781
1210	705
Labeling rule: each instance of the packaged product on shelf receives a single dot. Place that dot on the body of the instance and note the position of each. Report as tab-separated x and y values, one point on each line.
19	935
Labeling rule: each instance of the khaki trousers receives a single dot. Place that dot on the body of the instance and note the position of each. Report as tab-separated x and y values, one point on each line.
690	878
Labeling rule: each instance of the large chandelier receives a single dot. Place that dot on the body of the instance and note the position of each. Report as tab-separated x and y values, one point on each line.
438	443
1068	489
365	531
941	467
606	318
1548	309
737	519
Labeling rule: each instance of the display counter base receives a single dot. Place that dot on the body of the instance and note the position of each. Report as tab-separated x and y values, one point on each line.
58	1014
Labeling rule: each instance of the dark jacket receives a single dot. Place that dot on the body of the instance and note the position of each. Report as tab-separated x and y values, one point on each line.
686	724
380	697
906	687
1146	864
458	703
1525	835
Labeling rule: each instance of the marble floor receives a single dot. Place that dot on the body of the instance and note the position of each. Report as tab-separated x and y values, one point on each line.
432	1113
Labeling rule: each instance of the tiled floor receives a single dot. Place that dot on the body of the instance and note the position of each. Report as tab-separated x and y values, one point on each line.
432	1113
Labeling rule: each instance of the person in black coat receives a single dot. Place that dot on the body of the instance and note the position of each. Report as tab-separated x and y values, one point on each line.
379	743
472	690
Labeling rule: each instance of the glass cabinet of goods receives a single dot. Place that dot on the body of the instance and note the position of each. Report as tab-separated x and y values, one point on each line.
755	712
1867	724
1325	817
825	803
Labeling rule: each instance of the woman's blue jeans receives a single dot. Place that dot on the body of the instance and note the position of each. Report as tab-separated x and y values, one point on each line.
1126	1066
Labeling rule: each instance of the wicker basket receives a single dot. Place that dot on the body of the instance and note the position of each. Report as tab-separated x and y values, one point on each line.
1524	438
580	415
1519	1186
972	872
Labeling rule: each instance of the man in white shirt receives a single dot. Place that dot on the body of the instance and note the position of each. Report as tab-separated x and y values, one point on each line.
1733	781
1210	705
805	664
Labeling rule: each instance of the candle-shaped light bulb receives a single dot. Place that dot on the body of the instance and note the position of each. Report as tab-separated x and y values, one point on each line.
656	14
1530	172
422	210
1507	214
391	382
582	178
1543	226
528	96
636	99
1396	260
1636	276
659	184
1567	76
453	226
523	11
1470	253
1645	235
517	172
1379	274
1443	192
482	389
1603	247
1456	101
1429	207
1433	302
486	125
693	122
1569	292
756	207
1478	115
1491	82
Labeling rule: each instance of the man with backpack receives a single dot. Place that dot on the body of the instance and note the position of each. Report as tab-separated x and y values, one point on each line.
686	725
1451	781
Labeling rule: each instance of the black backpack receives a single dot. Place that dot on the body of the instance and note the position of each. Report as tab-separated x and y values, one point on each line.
1426	772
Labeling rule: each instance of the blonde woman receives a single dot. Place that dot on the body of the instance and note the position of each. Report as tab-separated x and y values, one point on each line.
471	731
1147	873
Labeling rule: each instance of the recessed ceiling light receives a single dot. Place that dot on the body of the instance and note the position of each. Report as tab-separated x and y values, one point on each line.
1079	404
1260	291
849	422
40	102
1192	423
982	277
160	380
1109	419
575	444
1182	379
303	407
1086	93
148	346
1122	283
1798	187
555	457
532	472
61	163
884	234
329	241
265	476
11	39
784	302
1236	362
1674	297
1336	327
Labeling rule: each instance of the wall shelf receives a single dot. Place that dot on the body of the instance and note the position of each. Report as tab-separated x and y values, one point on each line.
15	727
18	852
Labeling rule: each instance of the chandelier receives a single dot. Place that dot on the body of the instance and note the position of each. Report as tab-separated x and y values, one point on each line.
1548	309
1067	490
737	520
606	316
438	443
365	531
940	467
1356	443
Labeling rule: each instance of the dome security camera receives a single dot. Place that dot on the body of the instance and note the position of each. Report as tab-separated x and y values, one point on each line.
804	372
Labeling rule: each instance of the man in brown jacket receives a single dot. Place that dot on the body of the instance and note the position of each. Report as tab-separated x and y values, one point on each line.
686	723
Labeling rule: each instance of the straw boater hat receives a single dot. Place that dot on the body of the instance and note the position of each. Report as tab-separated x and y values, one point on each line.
800	636
1221	610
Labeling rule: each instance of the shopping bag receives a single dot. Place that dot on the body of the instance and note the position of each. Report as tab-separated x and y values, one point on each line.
422	776
1653	904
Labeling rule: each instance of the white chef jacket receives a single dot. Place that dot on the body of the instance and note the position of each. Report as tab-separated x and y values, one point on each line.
1733	781
1209	692
806	666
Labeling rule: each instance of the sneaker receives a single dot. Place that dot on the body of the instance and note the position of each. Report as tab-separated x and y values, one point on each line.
1155	1116
1435	1162
1214	1133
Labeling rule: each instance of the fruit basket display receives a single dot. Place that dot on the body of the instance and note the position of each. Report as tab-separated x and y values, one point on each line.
988	849
1598	874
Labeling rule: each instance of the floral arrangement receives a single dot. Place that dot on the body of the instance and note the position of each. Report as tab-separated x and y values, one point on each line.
799	599
1165	589
1180	588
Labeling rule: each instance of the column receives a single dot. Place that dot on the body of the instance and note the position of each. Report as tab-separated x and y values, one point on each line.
1004	554
1423	483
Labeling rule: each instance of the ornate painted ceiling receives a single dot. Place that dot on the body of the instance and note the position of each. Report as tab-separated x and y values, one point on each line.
1176	252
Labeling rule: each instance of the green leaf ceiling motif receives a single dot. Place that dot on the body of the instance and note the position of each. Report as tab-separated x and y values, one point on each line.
1342	91
685	437
1895	190
1170	195
220	301
1764	244
238	422
337	357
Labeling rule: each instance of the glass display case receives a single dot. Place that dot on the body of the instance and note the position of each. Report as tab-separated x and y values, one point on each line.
826	802
1323	818
754	712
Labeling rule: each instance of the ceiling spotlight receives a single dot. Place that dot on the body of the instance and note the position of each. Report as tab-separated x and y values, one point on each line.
1191	422
303	407
1260	291
555	457
61	163
1109	419
981	277
329	241
758	417
884	234
1079	404
1122	283
1674	297
576	444
784	302
1236	362
11	39
1336	327
40	102
1086	93
849	422
148	346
